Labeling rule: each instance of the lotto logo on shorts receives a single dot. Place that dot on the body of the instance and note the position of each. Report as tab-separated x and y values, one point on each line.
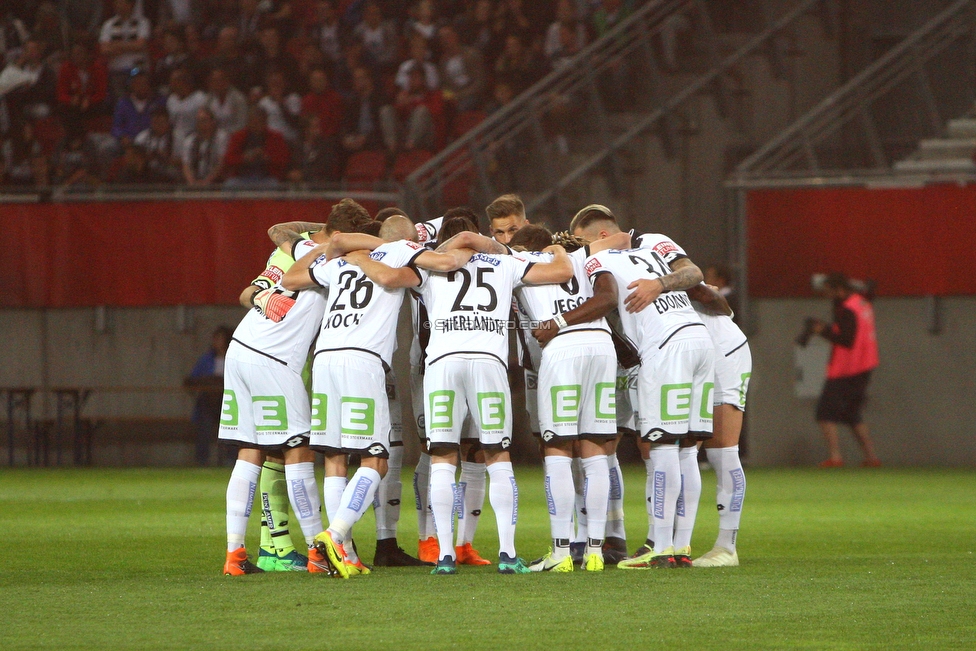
229	415
320	408
440	410
357	416
491	408
675	401
606	401
705	413
270	413
565	403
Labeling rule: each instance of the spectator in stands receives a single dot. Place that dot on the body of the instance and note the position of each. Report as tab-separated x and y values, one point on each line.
309	58
361	115
132	111
566	36
176	56
158	143
82	16
419	58
315	157
229	57
272	56
324	103
49	28
412	121
257	156
282	107
248	20
227	104
207	381
182	106
324	30
476	29
510	18
423	22
180	12
462	71
73	164
82	89
378	37
124	41
131	168
517	65
204	151
352	58
23	161
29	84
610	14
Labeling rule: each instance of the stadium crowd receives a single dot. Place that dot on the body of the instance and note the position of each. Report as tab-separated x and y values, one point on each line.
260	93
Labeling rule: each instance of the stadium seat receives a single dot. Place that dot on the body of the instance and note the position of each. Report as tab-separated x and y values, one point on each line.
466	121
364	169
407	162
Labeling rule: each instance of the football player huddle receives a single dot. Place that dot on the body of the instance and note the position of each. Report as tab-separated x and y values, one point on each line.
616	335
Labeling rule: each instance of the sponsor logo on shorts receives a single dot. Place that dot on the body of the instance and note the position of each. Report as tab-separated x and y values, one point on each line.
270	413
376	449
658	495
358	416
359	493
440	406
491	408
707	397
319	412
675	401
744	388
592	265
606	401
565	403
229	412
548	435
296	441
506	443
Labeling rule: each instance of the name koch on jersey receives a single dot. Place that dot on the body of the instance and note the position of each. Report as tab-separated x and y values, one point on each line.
360	314
543	302
650	328
469	308
288	340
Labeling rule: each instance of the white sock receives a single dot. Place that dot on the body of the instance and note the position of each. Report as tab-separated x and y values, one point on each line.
615	508
240	499
665	484
560	498
503	495
580	506
304	497
332	494
471	500
597	495
421	495
442	491
387	502
688	498
730	491
356	499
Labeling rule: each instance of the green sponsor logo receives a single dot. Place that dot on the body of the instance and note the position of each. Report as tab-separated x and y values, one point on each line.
320	410
565	403
357	416
270	413
706	400
491	408
606	400
440	409
675	401
229	413
744	388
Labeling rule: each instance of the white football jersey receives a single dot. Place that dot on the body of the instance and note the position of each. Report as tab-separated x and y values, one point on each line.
361	315
469	308
288	340
726	335
543	302
650	328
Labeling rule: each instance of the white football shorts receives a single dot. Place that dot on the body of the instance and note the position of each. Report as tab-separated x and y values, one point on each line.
577	388
350	408
460	386
732	374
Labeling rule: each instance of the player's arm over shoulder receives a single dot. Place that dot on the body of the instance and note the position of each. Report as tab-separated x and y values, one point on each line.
288	233
560	270
390	277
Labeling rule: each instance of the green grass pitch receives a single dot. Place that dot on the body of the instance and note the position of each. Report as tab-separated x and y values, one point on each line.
131	559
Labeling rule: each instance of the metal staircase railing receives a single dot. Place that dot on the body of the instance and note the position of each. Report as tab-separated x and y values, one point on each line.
519	125
850	107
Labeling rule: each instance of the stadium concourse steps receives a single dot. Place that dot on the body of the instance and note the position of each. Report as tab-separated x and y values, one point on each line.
953	153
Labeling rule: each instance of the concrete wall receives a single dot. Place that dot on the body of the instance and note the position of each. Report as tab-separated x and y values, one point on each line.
917	396
916	408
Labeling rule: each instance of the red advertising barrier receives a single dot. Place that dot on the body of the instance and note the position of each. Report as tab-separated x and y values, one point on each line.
140	253
913	241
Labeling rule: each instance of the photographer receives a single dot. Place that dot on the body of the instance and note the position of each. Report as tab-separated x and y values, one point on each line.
853	356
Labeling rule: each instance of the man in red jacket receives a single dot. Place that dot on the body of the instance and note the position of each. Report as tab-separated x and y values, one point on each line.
257	157
853	357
